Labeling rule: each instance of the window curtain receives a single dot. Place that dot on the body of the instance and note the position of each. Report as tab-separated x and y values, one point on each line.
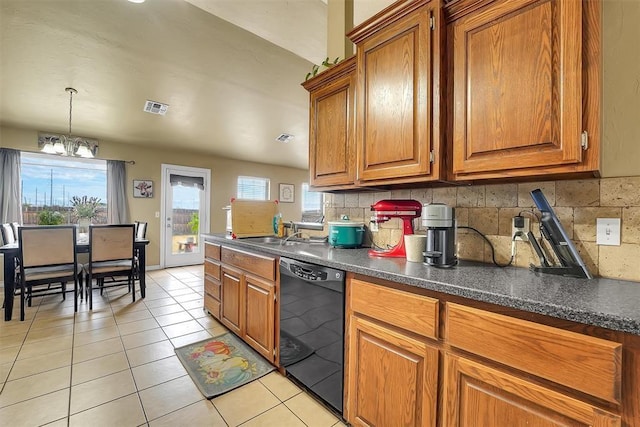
10	193
117	209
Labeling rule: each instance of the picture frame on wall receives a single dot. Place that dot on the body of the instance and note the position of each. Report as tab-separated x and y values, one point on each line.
142	188
287	193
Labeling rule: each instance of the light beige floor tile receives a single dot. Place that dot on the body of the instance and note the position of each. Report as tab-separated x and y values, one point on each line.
54	312
198	313
177	292
129	307
48	333
88	337
244	403
168	397
96	313
157	372
12	340
166	309
173	318
187	297
50	323
35	385
125	411
149	353
97	349
196	303
339	424
279	416
102	390
36	348
45	362
209	322
38	411
143	338
280	386
201	413
137	326
133	316
190	338
103	322
5	368
63	422
14	327
160	302
311	412
99	367
183	328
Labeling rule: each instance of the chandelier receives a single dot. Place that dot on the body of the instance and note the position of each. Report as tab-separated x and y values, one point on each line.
66	145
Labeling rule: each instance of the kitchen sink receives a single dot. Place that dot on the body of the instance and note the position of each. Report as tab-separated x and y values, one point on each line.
272	240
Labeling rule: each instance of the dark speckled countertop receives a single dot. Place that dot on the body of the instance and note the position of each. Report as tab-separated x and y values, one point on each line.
607	303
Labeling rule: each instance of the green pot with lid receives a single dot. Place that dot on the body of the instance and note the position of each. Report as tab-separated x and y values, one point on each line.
345	233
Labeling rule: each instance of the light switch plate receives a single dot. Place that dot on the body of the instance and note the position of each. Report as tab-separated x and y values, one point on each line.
608	231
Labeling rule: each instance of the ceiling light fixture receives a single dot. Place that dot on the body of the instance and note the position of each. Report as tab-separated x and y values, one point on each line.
136	1
285	137
66	145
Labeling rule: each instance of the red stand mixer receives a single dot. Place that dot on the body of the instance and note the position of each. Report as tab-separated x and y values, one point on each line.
384	210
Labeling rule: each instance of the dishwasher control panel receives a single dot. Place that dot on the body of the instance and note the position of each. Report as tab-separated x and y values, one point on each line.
308	274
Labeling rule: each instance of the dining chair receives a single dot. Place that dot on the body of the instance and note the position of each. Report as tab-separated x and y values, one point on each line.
141	230
47	256
111	256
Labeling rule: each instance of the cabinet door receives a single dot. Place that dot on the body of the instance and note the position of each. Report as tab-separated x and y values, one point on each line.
232	283
395	100
476	395
392	378
259	329
517	85
331	128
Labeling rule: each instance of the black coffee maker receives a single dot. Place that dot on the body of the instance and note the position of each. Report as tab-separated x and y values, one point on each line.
440	221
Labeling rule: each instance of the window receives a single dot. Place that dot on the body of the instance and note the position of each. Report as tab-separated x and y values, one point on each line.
49	182
252	188
311	201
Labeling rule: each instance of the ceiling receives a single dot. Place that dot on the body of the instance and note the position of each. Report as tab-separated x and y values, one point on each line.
230	71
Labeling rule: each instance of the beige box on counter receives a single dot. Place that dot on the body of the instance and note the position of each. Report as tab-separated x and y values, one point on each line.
250	218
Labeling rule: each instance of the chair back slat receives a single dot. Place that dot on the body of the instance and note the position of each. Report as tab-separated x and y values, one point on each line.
40	246
141	230
7	234
111	242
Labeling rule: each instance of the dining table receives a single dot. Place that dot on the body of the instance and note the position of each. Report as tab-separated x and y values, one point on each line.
11	251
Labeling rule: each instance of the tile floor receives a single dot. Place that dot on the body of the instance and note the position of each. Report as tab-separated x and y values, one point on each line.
115	365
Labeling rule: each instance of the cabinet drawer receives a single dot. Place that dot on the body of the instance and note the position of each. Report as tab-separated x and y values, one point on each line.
259	265
212	250
212	287
415	313
212	305
584	363
212	269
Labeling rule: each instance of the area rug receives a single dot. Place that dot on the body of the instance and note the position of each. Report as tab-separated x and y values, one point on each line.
220	364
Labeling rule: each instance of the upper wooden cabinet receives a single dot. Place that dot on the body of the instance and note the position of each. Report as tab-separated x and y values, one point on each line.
525	88
397	91
331	127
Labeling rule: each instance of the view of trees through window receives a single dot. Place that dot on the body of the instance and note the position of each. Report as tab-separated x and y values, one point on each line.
50	183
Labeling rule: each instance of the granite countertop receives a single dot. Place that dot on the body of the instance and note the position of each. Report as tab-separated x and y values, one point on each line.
607	303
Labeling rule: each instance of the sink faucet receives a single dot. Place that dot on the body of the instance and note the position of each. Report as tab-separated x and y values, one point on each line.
289	237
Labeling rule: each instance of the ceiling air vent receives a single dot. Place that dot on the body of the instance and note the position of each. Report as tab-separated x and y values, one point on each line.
155	107
284	137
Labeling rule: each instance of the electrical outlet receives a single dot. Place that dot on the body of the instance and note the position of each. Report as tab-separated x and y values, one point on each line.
519	231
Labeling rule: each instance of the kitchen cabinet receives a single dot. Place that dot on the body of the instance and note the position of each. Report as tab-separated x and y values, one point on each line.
477	395
398	94
332	148
248	298
525	88
392	372
212	276
494	368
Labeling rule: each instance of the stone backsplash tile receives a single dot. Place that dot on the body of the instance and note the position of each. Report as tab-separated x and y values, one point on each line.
490	208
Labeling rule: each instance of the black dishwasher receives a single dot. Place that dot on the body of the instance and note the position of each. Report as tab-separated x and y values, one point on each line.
312	328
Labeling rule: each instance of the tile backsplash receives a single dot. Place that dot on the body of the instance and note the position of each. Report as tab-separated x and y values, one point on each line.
490	208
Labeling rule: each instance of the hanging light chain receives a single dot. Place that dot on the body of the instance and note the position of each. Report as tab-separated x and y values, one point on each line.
71	91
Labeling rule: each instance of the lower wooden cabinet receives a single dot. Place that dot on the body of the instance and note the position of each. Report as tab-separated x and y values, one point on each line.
478	395
392	377
247	300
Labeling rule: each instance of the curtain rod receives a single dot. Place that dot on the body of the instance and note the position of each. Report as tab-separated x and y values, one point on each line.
130	162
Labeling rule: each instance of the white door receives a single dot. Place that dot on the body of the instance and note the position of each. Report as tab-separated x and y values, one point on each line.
185	214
